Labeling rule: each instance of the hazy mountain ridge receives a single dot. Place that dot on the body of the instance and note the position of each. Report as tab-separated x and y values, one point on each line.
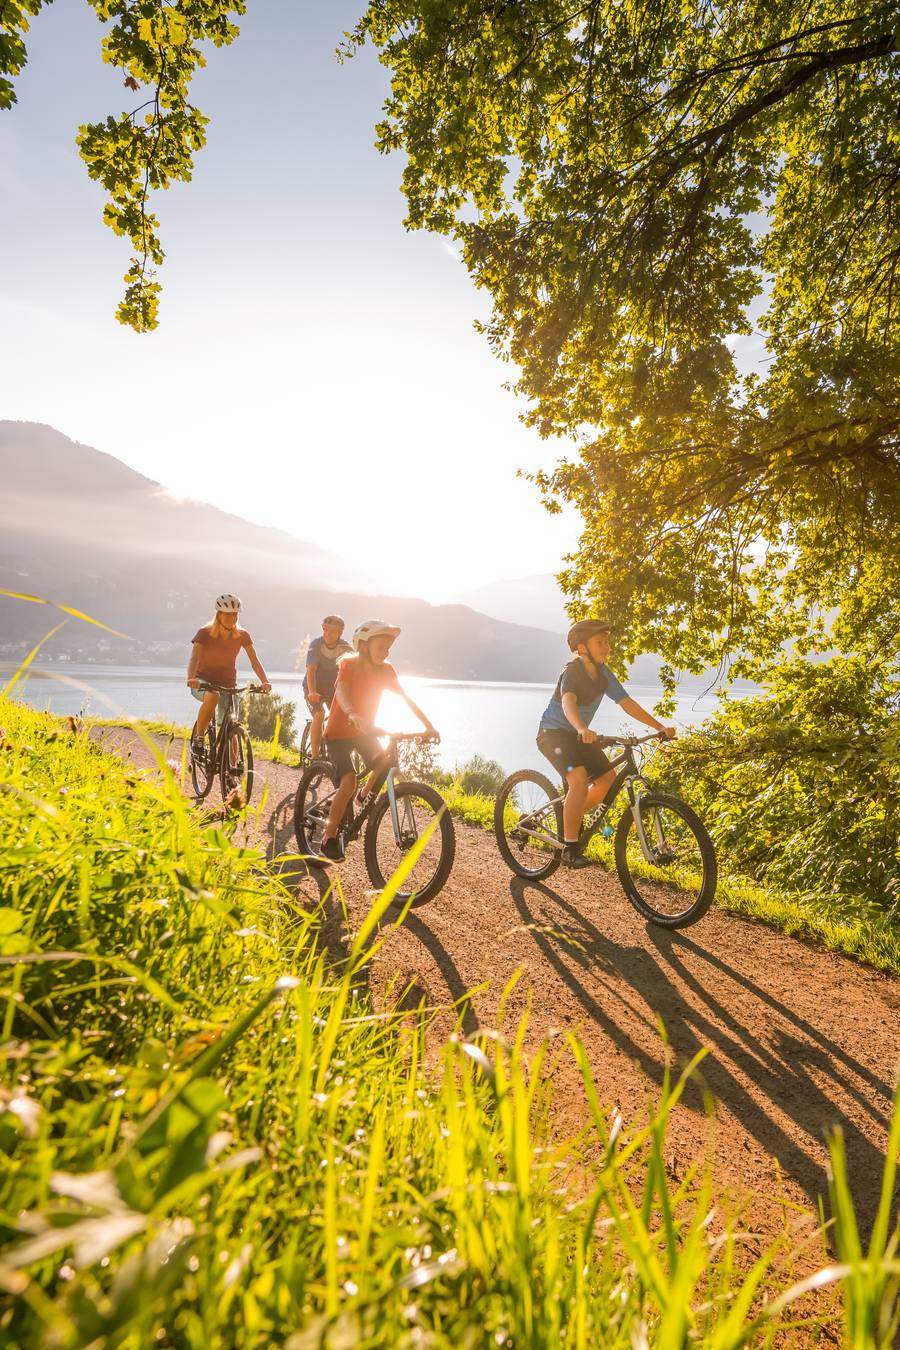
81	528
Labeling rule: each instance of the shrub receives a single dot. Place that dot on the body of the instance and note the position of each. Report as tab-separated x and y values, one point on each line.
262	712
800	787
481	775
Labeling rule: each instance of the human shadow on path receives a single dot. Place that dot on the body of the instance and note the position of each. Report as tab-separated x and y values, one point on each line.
456	986
794	1069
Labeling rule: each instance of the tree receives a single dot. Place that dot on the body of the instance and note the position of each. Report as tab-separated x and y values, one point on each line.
635	185
157	46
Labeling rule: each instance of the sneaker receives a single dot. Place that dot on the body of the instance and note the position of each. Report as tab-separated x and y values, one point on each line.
331	849
574	858
198	750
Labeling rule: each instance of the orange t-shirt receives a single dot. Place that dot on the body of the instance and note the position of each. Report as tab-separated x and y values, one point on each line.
363	683
218	656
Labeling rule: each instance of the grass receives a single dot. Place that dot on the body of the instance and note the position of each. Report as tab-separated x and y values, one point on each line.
209	1138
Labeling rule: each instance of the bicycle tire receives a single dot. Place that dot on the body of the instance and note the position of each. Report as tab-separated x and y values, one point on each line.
513	862
235	771
638	889
318	769
203	775
305	757
445	829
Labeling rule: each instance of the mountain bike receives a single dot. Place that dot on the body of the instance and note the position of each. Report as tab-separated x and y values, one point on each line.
394	819
226	748
305	751
663	853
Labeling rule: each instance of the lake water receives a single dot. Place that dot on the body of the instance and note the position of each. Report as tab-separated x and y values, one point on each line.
498	721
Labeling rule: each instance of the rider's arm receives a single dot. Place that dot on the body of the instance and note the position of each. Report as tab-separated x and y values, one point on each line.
415	709
640	714
311	678
570	708
257	667
193	663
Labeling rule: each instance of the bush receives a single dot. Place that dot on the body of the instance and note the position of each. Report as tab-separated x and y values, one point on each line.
419	763
262	712
481	775
800	787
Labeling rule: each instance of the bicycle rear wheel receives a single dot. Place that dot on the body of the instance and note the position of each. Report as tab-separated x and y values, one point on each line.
676	887
312	802
305	743
236	767
203	766
418	807
528	822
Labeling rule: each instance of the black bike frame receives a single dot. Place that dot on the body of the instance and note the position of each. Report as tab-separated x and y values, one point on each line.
229	718
624	780
387	761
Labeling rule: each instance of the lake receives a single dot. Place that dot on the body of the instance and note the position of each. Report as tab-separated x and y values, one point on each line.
496	720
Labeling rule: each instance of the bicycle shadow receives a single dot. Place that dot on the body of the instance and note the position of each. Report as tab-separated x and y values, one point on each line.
800	1075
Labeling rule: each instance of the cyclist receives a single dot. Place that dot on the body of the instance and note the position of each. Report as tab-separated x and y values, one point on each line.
213	660
565	737
321	673
361	681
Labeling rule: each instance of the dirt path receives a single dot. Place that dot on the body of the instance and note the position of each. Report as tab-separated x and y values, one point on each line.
799	1040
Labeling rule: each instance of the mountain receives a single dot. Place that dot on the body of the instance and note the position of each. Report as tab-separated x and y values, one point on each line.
536	600
79	527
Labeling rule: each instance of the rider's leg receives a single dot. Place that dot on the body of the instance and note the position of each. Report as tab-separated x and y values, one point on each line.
205	715
315	731
339	805
598	789
573	806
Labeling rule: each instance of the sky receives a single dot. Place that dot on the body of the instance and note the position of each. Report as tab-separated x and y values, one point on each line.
316	366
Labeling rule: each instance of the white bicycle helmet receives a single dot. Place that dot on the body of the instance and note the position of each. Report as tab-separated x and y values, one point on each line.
227	604
373	628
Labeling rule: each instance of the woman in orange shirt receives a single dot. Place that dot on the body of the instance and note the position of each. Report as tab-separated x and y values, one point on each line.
213	660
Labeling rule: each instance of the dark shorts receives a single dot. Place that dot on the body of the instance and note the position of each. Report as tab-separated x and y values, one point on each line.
340	752
327	692
566	752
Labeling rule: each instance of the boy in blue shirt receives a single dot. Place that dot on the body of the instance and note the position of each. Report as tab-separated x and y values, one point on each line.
565	737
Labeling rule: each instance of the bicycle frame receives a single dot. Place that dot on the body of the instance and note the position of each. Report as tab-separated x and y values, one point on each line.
624	781
384	778
230	718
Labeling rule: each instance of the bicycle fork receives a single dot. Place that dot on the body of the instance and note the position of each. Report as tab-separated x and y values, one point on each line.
635	807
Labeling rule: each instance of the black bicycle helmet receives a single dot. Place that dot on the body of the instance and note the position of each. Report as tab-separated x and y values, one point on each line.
585	629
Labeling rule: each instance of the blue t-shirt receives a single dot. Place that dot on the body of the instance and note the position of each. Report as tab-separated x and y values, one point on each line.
326	660
589	691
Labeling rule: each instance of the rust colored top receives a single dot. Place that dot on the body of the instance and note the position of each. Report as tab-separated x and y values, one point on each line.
364	683
218	656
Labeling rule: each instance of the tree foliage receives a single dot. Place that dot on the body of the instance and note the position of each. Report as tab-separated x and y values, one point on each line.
158	47
635	185
801	787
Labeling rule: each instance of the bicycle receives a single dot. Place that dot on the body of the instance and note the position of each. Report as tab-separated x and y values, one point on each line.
306	753
227	749
394	820
663	853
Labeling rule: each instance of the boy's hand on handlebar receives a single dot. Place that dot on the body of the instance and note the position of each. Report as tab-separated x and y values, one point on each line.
193	684
432	734
587	737
668	733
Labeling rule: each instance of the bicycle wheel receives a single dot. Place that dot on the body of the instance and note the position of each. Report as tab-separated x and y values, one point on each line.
304	744
203	767
528	819
418	807
236	763
676	888
312	802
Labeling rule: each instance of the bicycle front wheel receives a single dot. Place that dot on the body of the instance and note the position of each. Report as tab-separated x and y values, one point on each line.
419	806
305	744
675	886
528	824
236	767
312	803
203	765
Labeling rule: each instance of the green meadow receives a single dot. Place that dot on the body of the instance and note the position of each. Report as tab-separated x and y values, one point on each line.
210	1137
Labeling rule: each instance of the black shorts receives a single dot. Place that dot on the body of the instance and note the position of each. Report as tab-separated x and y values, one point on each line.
566	751
340	752
327	696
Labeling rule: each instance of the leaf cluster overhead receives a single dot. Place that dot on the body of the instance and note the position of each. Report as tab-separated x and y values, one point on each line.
158	47
641	187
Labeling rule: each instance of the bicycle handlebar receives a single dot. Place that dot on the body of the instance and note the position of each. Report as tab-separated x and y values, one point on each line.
406	735
238	689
